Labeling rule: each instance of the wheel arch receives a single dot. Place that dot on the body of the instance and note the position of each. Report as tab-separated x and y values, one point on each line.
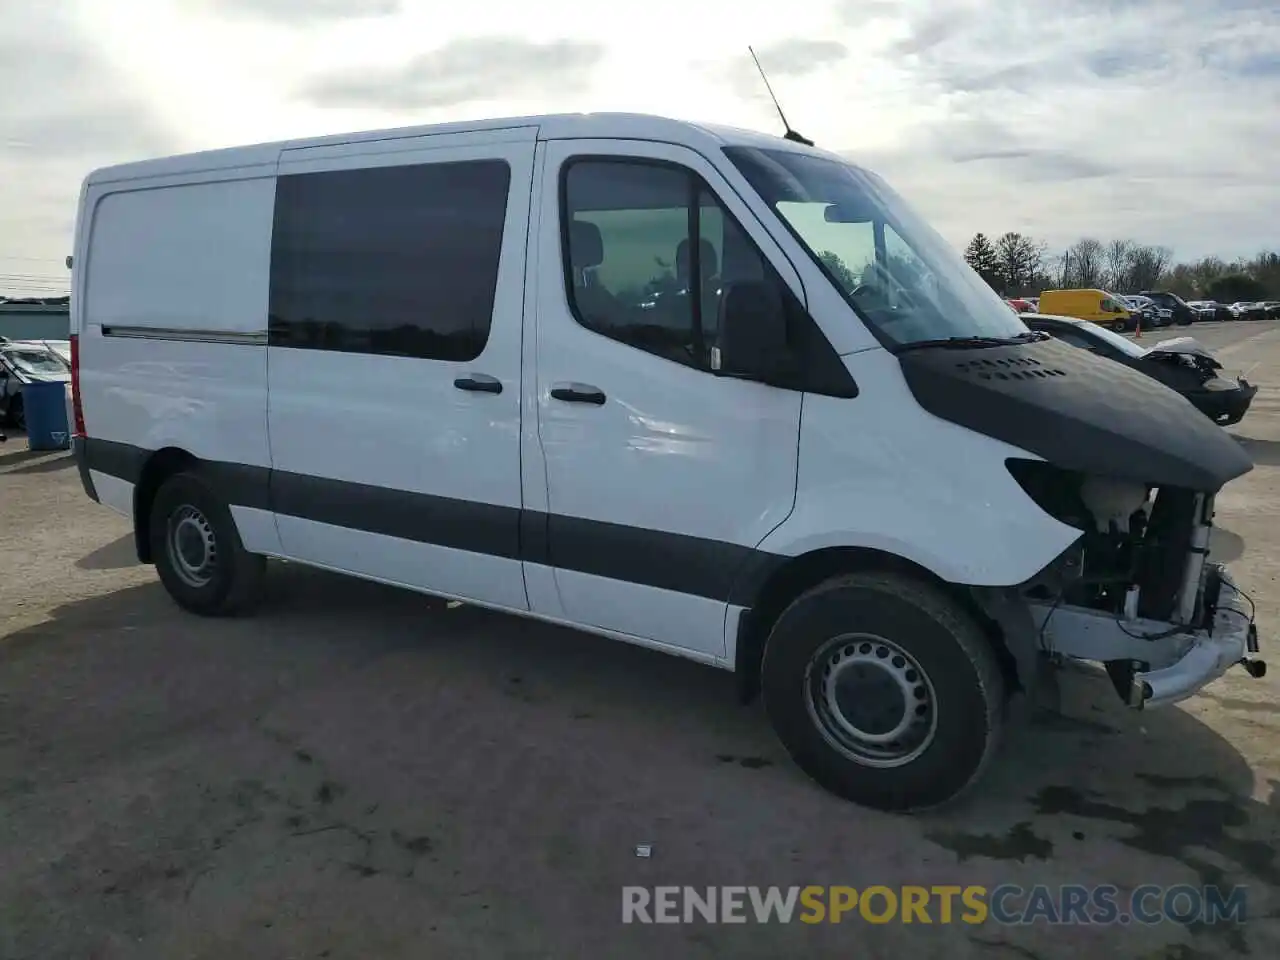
156	469
765	601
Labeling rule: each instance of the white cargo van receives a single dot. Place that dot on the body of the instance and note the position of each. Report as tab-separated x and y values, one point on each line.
713	392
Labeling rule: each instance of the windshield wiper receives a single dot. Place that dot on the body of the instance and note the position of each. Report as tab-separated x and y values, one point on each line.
967	343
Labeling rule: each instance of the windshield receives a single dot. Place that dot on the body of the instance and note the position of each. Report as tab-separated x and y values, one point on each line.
905	281
35	362
1123	344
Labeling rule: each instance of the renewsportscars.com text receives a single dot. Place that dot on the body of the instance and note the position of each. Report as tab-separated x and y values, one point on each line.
1005	904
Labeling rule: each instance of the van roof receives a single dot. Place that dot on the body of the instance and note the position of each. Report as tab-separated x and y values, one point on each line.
628	126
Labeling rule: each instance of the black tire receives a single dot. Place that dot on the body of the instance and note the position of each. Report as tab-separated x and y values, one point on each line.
964	688
231	581
17	418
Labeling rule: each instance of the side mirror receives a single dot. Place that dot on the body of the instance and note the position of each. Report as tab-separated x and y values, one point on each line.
753	332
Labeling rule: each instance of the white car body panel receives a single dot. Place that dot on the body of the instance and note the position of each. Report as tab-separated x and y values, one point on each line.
869	477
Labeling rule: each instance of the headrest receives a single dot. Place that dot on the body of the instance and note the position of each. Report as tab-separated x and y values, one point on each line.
586	249
706	256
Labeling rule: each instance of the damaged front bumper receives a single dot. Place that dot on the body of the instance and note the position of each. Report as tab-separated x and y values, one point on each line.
1225	407
1153	663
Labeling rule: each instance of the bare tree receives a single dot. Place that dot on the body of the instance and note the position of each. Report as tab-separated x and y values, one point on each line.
1147	266
1086	264
1119	265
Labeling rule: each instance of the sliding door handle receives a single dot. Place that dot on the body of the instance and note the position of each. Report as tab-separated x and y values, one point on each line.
578	393
479	383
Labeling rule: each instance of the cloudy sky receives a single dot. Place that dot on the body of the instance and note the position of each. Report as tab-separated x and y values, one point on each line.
1157	120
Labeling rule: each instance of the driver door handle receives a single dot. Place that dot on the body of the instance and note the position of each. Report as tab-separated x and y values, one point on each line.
479	383
578	393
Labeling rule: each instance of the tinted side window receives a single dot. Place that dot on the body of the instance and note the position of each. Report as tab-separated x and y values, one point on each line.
401	261
634	270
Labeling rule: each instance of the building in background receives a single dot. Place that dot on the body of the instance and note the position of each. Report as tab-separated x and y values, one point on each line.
35	318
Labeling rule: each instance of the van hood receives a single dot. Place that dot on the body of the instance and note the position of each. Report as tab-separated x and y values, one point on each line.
1078	411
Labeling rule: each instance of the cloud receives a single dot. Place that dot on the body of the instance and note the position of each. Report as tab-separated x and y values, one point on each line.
1152	119
462	71
70	105
302	12
794	57
797	56
74	113
931	30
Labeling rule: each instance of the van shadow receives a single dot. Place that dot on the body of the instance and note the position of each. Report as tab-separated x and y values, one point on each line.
1163	783
116	555
14	449
1265	453
50	464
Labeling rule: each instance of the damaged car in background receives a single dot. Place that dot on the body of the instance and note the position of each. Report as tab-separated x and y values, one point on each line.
1182	363
23	362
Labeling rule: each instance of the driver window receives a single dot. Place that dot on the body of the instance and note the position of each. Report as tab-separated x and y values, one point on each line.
634	273
847	250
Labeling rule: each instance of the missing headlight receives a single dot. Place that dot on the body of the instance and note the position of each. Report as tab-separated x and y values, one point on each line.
1054	490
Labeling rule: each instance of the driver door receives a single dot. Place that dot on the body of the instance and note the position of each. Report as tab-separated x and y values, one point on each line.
661	476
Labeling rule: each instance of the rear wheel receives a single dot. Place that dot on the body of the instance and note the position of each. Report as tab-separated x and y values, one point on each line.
884	690
197	549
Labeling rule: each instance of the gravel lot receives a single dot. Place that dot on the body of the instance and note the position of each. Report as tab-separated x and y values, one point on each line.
357	772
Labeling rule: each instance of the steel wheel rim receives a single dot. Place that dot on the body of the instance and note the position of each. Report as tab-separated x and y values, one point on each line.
871	700
192	546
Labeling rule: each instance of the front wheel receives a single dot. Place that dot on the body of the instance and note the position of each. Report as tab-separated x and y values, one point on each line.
197	549
884	690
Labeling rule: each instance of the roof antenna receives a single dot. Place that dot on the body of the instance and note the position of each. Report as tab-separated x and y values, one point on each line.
790	134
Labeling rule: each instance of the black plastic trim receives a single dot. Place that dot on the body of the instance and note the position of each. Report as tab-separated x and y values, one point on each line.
1076	410
696	566
120	460
82	465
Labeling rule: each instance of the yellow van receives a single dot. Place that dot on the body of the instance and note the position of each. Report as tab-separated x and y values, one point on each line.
1101	307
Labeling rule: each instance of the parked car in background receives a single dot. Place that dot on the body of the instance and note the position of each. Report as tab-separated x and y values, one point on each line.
1146	309
23	362
1246	310
1272	308
1181	363
1210	310
62	348
1183	315
1021	304
1096	305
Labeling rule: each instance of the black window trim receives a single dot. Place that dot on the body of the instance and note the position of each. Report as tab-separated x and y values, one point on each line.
846	389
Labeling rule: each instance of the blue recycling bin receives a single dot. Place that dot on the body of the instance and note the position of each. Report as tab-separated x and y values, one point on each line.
45	407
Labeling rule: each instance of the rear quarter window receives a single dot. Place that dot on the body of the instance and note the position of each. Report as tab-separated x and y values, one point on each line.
189	257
